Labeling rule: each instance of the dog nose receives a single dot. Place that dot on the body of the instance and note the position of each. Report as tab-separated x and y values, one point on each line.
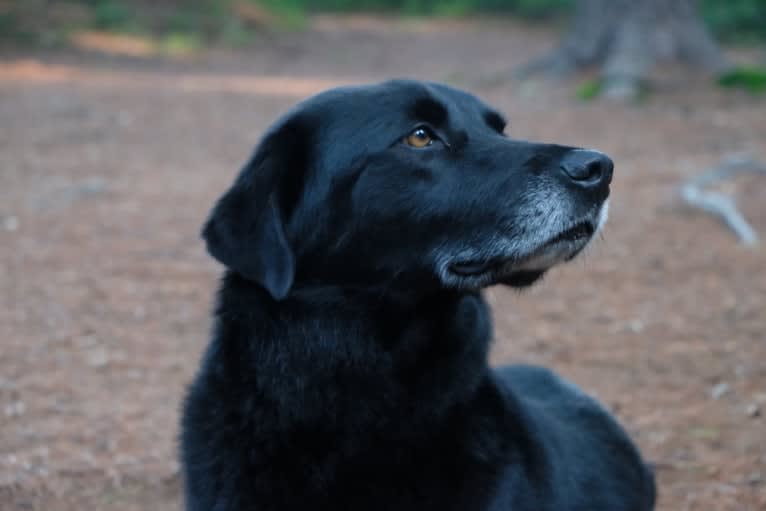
588	168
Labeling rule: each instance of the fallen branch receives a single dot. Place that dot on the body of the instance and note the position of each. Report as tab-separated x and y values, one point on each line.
718	204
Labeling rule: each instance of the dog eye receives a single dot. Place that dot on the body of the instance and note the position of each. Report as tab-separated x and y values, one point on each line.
420	137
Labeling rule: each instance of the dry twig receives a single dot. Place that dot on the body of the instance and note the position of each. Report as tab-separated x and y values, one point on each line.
717	204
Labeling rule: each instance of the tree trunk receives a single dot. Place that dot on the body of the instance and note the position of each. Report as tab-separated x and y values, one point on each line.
627	37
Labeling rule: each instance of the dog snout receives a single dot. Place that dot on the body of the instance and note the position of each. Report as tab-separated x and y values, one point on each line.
587	168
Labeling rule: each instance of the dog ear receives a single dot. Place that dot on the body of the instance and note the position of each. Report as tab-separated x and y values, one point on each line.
246	230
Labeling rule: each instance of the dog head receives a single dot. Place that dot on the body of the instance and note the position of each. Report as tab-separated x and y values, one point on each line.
405	182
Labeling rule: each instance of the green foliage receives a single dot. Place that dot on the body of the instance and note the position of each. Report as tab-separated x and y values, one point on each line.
177	26
736	20
540	8
529	8
110	14
729	19
289	14
218	20
9	26
589	90
751	79
24	23
179	43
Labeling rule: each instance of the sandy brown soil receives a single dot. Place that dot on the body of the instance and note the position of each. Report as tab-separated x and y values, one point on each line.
109	165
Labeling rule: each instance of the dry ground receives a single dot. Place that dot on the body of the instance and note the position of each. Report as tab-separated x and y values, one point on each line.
109	165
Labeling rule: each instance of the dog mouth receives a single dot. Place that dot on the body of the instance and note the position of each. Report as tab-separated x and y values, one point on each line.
582	231
522	271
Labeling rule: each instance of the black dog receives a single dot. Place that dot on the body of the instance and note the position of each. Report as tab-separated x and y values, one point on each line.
348	364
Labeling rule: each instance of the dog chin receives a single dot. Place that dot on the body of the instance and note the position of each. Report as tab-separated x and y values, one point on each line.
521	272
564	246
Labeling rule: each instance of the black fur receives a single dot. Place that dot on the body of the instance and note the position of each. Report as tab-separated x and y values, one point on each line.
348	363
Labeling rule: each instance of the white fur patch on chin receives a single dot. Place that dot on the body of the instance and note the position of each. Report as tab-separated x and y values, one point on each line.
559	252
603	215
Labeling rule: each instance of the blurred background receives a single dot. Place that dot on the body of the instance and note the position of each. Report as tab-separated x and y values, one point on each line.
122	121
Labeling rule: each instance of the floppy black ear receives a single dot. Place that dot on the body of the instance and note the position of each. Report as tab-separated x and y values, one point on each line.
245	230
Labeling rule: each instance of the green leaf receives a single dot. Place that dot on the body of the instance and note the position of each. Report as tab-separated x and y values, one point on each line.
749	78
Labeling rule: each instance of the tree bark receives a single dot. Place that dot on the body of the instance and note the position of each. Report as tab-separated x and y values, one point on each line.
626	38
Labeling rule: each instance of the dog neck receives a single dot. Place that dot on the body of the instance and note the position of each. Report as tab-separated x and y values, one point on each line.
318	354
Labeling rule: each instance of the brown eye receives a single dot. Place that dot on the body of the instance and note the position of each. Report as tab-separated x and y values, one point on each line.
419	138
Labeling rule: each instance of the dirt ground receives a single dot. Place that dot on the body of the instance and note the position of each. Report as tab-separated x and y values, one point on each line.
108	166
